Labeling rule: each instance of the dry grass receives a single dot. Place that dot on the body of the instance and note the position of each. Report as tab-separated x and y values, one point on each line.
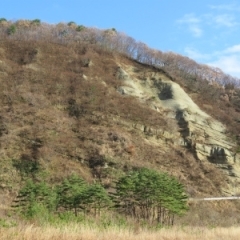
74	232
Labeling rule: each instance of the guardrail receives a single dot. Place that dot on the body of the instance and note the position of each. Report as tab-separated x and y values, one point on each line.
214	198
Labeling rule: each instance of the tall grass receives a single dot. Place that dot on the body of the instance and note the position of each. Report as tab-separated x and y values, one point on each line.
77	232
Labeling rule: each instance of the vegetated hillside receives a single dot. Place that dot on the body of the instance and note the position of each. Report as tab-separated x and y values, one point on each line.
83	107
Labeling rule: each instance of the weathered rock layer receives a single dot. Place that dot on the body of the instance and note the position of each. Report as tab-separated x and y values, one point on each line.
198	131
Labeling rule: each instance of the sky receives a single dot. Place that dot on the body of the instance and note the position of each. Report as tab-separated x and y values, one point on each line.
206	31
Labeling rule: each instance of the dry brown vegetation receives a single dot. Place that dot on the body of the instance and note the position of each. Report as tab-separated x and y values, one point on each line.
60	113
76	232
57	117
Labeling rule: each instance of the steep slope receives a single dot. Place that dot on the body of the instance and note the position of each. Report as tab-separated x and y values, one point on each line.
78	108
205	136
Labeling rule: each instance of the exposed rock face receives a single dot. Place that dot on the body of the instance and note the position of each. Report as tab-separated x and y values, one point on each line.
205	136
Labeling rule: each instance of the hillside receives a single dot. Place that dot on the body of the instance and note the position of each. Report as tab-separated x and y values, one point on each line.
81	107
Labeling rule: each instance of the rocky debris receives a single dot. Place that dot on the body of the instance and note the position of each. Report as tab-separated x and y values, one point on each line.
87	62
84	77
121	74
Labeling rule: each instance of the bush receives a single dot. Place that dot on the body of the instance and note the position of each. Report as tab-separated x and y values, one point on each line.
71	23
79	28
34	197
11	30
36	22
3	20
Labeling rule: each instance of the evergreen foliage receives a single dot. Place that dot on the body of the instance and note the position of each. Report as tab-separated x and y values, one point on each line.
147	194
71	23
33	195
72	194
3	20
144	195
36	22
97	198
11	30
27	166
79	28
75	194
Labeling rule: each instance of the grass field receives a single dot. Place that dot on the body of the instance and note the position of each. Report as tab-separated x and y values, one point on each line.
77	232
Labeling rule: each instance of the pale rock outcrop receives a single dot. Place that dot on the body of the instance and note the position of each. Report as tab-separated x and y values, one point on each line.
201	133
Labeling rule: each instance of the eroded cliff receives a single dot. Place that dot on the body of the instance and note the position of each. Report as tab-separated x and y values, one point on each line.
198	131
